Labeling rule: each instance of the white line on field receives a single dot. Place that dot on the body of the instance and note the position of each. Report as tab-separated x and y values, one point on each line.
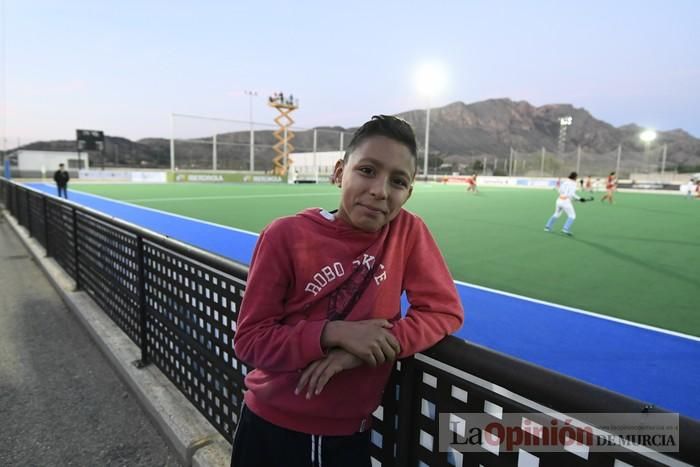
165	213
582	312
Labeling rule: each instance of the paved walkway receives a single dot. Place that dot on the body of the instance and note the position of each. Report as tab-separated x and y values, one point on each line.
61	403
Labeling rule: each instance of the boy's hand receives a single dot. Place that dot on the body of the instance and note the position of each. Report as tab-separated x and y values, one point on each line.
318	373
368	340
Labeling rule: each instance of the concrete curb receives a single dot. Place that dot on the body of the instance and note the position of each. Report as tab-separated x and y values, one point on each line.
216	453
191	436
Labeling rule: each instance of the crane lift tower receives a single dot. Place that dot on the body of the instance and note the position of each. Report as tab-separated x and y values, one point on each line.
283	147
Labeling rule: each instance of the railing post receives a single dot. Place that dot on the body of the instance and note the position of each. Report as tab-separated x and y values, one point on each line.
143	331
15	203
29	214
76	263
45	202
404	444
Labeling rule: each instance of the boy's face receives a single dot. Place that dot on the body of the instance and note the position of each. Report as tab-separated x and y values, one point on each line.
376	181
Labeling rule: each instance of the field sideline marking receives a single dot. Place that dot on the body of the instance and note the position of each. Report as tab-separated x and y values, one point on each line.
579	311
192	219
465	284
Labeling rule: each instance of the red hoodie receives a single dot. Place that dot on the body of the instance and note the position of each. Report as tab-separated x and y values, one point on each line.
313	267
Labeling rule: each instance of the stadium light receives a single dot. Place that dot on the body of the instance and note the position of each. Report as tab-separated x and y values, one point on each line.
647	136
563	123
431	79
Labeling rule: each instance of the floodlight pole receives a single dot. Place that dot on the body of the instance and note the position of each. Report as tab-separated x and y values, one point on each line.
646	157
250	94
172	142
663	161
427	142
647	136
542	163
578	160
315	156
510	162
213	152
563	123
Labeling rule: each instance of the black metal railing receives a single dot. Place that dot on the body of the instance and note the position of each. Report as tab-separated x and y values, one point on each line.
179	304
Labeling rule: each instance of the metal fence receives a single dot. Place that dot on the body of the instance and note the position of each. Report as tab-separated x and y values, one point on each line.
208	143
548	164
179	304
544	163
226	153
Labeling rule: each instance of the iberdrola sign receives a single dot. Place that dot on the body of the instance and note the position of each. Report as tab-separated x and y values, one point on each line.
222	177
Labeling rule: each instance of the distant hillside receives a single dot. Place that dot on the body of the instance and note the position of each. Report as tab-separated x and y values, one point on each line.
154	152
493	126
459	133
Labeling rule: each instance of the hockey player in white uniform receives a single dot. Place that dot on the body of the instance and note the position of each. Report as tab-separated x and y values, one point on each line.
567	193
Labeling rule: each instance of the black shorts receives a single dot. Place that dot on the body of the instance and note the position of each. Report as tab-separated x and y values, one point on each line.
259	443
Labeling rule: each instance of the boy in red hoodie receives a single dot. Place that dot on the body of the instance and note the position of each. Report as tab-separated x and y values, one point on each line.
321	315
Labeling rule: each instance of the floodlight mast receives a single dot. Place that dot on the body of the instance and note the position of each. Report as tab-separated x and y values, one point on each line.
427	142
647	137
564	122
430	80
251	94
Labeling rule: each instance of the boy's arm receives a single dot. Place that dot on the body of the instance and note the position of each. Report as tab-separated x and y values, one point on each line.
316	375
369	340
262	338
435	308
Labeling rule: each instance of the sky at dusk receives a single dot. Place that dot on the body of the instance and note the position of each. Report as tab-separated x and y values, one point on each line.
124	66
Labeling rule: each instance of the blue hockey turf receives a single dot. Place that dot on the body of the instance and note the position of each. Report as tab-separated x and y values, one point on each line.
655	366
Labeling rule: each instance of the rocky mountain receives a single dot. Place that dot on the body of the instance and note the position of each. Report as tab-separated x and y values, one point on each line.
460	133
493	126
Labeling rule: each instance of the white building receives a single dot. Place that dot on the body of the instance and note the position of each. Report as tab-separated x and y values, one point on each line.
313	166
39	164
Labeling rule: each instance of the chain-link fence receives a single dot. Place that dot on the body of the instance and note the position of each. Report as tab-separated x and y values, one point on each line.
544	163
240	145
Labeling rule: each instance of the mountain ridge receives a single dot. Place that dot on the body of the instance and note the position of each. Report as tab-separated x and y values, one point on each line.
458	131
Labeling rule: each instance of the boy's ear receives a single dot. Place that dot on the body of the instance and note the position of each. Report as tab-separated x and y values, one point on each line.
338	172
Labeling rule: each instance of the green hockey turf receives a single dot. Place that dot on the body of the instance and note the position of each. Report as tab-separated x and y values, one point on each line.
636	259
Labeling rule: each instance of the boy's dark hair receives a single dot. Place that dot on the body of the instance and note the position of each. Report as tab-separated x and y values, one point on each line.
389	126
573	175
